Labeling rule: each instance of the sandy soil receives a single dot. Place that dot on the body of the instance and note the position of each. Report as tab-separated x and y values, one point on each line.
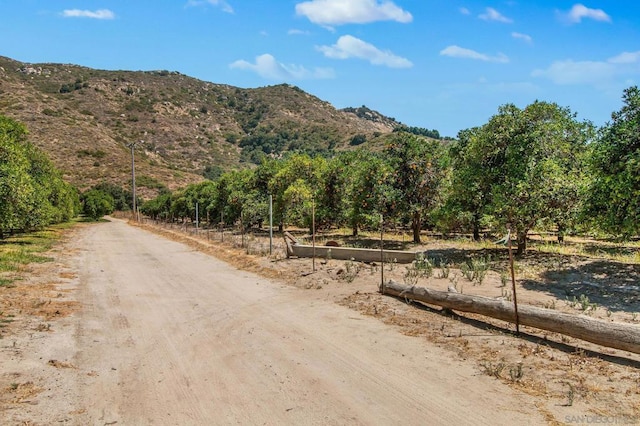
164	334
127	327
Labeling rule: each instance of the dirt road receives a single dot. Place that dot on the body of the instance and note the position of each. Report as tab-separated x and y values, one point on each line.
166	335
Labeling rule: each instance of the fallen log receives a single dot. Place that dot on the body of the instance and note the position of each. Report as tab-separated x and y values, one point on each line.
610	334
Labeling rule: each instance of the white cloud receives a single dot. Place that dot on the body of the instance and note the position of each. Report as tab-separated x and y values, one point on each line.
626	58
576	72
493	15
98	14
339	12
465	11
579	11
351	47
461	52
596	73
295	31
226	7
266	66
524	37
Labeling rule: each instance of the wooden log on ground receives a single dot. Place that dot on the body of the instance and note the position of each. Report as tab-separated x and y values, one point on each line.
604	333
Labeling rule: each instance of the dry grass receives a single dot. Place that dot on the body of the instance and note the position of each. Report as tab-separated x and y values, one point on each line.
19	393
23	293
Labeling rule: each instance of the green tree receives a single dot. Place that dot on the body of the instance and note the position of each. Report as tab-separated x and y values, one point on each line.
181	206
468	192
524	158
32	191
96	204
298	198
159	207
331	203
296	170
614	200
16	185
358	139
242	198
368	189
256	209
122	198
419	167
54	200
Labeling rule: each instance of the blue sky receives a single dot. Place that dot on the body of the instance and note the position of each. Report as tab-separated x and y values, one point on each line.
445	65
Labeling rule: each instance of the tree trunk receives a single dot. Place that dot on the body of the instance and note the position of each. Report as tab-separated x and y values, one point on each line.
476	227
604	333
561	234
522	242
415	226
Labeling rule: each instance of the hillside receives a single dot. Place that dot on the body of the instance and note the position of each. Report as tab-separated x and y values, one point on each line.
85	118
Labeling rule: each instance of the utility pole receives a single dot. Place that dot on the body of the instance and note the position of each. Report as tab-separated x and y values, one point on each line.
132	145
381	253
313	231
270	225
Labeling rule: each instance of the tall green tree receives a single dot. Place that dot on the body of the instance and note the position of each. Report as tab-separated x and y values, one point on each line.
16	185
331	202
298	171
159	207
54	199
32	191
525	159
243	201
368	189
419	167
469	192
614	199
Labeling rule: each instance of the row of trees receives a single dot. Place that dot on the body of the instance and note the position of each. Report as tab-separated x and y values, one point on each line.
105	198
32	191
537	167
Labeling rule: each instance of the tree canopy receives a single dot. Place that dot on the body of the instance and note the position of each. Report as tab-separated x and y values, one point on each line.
418	171
536	167
519	162
614	194
32	191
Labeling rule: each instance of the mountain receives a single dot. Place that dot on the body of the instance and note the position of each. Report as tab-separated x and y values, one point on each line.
85	119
